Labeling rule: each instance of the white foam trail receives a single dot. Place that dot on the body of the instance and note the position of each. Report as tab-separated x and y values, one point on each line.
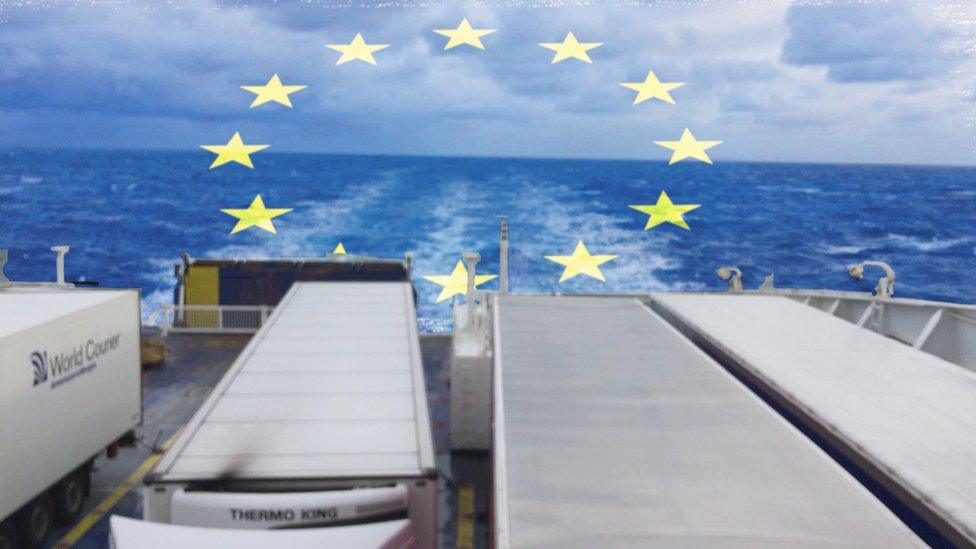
458	226
456	230
319	221
543	221
563	222
309	233
152	301
898	241
842	250
926	245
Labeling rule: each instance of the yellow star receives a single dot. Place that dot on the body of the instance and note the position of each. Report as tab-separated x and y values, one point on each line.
234	151
666	212
256	215
581	262
570	47
357	49
456	283
652	88
272	91
464	34
688	147
339	250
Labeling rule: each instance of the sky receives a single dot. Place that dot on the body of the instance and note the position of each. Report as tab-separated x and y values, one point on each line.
873	82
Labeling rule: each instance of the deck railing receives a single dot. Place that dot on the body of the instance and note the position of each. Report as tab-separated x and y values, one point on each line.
210	319
946	330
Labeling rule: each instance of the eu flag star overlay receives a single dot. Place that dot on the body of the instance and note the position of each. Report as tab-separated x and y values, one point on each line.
581	262
274	90
456	283
665	212
688	147
234	151
652	88
570	48
358	49
255	215
464	35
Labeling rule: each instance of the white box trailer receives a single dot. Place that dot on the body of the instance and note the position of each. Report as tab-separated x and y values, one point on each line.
129	533
70	386
322	421
613	430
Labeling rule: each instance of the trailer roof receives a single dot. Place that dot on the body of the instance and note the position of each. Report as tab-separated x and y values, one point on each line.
613	429
332	386
22	308
907	416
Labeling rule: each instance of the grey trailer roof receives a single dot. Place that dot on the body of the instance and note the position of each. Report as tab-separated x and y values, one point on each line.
613	430
22	308
331	387
906	415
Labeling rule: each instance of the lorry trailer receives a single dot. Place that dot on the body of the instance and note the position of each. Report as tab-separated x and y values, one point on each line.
127	533
632	436
70	386
758	418
903	415
322	421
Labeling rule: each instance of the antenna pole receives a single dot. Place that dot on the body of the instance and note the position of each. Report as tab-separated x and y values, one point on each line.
503	257
471	259
3	261
59	262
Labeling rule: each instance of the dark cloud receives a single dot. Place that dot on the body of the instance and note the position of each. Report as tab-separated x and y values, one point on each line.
323	17
167	75
865	42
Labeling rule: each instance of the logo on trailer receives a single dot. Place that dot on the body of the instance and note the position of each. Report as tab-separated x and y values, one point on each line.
66	364
39	361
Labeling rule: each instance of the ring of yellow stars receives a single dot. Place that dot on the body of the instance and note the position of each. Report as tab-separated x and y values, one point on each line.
357	49
256	215
234	151
652	88
665	212
570	47
274	90
688	147
456	283
339	250
464	34
581	262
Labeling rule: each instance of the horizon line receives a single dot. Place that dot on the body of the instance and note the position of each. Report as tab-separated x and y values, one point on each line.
9	148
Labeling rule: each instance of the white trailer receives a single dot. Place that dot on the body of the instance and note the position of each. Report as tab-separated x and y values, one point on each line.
321	422
611	429
129	533
70	386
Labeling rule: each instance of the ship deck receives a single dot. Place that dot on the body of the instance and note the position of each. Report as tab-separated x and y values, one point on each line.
698	392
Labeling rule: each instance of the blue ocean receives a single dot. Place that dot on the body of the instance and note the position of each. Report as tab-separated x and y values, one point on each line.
128	216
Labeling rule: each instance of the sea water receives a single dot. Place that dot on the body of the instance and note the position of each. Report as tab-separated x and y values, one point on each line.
128	216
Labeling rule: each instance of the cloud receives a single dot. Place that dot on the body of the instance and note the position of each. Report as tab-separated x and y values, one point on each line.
167	75
869	42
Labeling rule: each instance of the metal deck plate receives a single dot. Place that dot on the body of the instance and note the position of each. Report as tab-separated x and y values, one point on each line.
906	415
612	429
